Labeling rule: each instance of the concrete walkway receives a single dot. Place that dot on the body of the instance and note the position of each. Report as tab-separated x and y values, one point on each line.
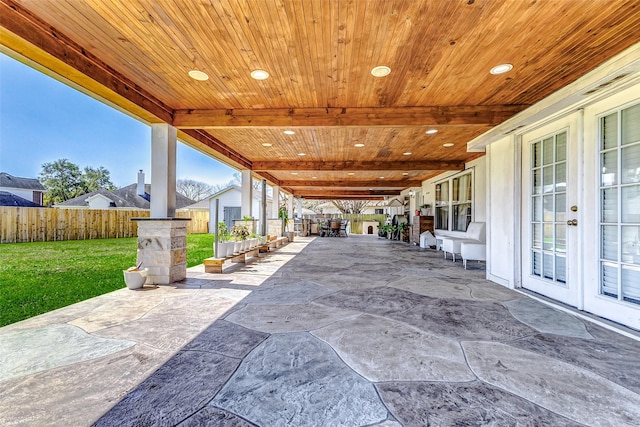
356	331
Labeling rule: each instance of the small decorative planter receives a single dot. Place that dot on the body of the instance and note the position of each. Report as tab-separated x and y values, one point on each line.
134	279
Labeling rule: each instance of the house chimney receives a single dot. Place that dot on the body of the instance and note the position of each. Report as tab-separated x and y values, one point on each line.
141	191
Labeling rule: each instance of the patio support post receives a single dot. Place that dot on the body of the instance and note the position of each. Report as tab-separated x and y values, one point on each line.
247	193
263	209
275	202
163	171
162	239
290	210
299	213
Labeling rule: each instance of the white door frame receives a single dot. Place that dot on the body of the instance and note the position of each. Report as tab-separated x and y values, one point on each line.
569	293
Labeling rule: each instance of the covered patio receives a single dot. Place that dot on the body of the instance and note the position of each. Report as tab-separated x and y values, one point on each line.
390	335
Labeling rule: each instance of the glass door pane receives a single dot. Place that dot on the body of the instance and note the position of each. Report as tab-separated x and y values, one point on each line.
620	205
548	208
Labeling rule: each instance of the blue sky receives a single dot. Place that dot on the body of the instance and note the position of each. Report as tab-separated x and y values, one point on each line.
43	120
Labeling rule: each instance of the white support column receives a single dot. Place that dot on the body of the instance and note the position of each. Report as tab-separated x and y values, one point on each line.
299	208
247	193
290	212
162	239
263	208
163	171
275	202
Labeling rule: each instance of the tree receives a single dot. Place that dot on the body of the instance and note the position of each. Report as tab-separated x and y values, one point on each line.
350	206
62	180
95	178
194	190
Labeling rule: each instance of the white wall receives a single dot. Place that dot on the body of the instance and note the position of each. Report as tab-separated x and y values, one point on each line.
232	198
501	211
99	202
20	192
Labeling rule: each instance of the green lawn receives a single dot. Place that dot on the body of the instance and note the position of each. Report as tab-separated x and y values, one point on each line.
40	277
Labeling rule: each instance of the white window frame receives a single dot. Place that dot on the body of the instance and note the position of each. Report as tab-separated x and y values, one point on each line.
619	263
450	203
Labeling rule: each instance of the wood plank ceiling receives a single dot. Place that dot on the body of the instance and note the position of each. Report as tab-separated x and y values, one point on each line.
319	53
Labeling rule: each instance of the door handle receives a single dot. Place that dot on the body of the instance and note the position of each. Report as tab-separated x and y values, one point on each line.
573	222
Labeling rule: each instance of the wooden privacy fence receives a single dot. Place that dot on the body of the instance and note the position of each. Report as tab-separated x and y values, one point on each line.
47	224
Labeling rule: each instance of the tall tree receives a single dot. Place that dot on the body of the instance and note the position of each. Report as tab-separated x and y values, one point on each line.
94	178
351	206
62	180
194	190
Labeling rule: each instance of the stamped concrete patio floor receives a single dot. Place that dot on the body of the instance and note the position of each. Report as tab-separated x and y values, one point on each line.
356	331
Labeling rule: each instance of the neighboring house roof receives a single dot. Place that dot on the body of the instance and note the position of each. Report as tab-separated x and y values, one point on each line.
10	181
10	199
125	197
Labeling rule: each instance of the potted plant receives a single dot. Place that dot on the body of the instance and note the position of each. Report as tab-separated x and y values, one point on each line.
240	232
134	277
284	216
405	231
254	239
225	247
425	210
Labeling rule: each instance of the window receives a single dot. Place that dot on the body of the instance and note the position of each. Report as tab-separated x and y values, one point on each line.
619	141
454	202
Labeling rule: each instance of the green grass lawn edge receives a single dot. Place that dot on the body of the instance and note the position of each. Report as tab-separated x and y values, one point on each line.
39	277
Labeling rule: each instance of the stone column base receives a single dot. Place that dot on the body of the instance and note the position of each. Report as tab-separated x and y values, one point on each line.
162	248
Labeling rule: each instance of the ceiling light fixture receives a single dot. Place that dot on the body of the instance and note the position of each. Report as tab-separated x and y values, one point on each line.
431	131
350	173
380	71
407	153
267	144
381	177
448	144
314	177
259	75
358	145
198	75
405	173
289	132
501	69
294	173
302	154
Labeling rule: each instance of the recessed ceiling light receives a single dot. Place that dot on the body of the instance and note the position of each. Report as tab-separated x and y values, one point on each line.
501	69
314	177
302	154
358	145
381	177
351	173
198	75
289	132
431	131
448	144
267	144
405	173
407	153
259	74
380	71
294	173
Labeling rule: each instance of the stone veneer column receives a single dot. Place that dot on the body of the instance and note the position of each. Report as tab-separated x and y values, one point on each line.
162	248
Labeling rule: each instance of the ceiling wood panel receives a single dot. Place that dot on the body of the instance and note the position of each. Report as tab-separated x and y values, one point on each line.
319	53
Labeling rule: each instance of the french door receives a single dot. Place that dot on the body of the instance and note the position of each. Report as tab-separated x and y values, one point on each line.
550	256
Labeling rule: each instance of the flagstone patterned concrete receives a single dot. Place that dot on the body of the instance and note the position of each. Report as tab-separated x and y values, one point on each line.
356	331
55	346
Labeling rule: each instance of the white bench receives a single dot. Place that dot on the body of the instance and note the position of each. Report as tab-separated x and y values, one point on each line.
453	244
